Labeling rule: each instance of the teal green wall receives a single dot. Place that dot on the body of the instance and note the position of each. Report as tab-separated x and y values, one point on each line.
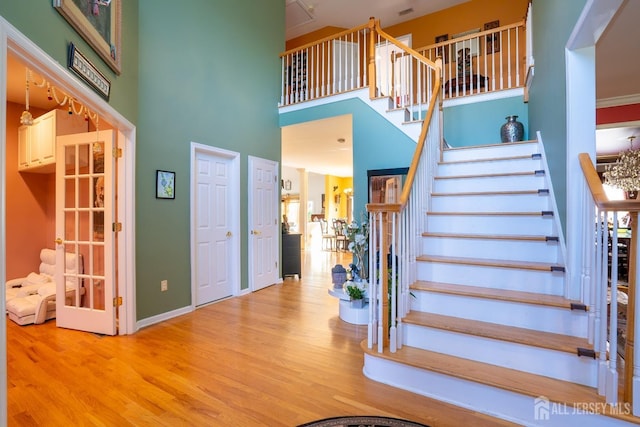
547	96
208	74
203	71
377	144
42	24
479	123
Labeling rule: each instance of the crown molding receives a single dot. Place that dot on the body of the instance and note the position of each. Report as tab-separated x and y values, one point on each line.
618	101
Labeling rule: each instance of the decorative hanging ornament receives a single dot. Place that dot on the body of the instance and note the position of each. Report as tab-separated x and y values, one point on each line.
26	118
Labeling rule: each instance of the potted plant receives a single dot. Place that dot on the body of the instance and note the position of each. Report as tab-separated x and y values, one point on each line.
356	295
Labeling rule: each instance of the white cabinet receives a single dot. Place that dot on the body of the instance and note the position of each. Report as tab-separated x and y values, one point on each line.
37	143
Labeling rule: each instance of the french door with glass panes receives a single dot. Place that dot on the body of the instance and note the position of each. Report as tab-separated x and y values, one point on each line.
85	290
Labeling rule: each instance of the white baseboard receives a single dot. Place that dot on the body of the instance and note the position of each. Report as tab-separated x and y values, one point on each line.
162	317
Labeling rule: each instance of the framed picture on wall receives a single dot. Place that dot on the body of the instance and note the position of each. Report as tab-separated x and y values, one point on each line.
99	23
443	51
165	185
493	39
385	185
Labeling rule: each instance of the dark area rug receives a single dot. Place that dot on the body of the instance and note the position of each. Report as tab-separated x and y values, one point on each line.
362	421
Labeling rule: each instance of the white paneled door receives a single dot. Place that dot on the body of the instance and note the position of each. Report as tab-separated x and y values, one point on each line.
213	228
85	289
264	242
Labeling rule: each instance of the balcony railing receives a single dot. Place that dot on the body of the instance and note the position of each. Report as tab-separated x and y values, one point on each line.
482	62
599	278
365	56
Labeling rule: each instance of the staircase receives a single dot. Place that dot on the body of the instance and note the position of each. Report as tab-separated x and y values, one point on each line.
489	328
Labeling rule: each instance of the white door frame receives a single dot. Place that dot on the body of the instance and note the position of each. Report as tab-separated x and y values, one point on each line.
12	40
581	129
234	186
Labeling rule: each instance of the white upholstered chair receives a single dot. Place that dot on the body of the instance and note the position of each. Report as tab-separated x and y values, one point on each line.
32	299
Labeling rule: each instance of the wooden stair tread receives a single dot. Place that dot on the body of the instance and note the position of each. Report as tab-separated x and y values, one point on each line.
527	265
488	175
496	376
537	238
494	294
487	159
476	213
548	340
497	144
490	193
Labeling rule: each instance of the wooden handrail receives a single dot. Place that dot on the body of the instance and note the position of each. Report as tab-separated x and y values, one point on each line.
403	47
406	189
597	190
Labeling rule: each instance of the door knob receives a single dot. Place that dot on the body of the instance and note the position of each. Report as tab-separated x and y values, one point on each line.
256	232
228	234
58	241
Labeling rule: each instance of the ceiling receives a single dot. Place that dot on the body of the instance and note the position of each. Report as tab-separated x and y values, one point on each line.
314	146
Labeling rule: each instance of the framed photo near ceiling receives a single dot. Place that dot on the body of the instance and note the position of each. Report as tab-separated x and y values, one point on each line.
493	40
99	24
443	51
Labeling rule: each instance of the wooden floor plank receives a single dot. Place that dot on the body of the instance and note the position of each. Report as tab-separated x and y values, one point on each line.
277	357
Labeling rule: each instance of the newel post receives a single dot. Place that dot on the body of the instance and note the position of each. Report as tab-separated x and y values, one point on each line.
384	278
631	309
372	58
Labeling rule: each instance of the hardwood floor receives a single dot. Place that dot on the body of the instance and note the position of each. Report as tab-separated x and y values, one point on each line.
277	357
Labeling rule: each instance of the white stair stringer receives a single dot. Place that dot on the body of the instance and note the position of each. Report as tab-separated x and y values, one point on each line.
536	360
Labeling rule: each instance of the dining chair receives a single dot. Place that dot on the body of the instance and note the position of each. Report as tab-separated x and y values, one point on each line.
326	236
340	230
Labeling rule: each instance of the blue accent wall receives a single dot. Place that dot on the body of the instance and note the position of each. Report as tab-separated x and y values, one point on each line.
479	123
547	96
377	144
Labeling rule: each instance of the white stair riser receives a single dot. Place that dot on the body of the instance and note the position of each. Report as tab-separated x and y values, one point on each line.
540	361
530	316
488	224
489	166
491	183
544	282
490	203
490	152
510	250
482	398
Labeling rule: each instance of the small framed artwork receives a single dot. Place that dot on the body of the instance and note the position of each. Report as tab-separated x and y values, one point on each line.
165	185
493	39
443	51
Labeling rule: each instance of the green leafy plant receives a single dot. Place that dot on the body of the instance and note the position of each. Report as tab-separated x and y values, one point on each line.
355	292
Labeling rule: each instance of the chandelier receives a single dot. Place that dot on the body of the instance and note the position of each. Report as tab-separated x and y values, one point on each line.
625	172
